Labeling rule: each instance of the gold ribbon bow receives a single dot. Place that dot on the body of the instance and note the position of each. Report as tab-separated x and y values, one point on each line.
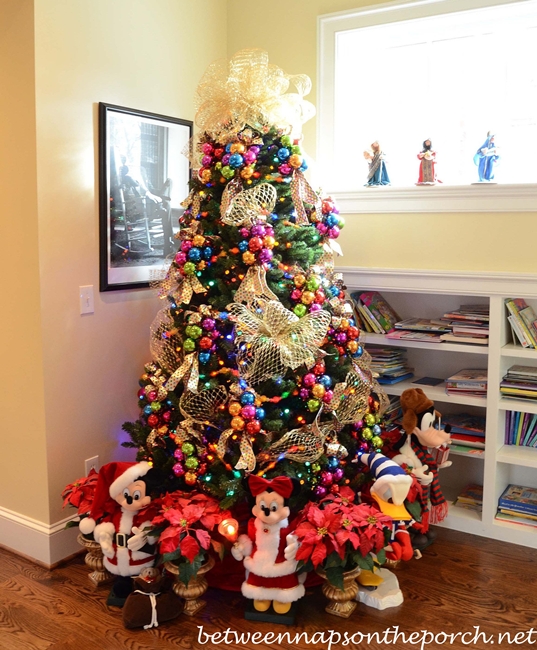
248	90
254	286
302	192
303	445
190	366
272	339
179	287
247	457
199	409
249	206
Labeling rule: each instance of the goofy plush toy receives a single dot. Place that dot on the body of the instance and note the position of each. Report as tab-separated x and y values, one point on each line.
269	548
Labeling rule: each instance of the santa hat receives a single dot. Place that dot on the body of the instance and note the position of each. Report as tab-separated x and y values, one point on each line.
391	481
112	480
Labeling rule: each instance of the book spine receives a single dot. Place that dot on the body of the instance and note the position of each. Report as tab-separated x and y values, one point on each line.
378	327
517	507
515	326
511	306
365	319
482	385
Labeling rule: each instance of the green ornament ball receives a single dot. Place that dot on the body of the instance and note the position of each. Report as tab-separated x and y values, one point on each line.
341	222
316	467
193	331
286	141
367	434
156	406
296	149
377	442
227	172
188	449
191	462
369	419
189	268
313	405
300	310
313	284
189	345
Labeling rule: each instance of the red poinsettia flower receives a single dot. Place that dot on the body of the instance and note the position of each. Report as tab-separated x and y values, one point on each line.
371	524
80	494
317	533
188	520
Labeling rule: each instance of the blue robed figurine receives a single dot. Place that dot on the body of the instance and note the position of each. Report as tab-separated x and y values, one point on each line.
378	174
485	159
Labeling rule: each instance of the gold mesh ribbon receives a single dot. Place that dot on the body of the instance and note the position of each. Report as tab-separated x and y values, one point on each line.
248	90
247	457
194	200
271	339
251	205
254	286
190	367
301	191
164	340
304	445
231	190
181	288
199	409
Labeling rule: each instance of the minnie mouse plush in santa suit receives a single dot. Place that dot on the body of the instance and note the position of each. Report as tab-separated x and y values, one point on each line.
269	549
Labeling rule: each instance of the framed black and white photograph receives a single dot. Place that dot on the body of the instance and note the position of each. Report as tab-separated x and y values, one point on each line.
143	178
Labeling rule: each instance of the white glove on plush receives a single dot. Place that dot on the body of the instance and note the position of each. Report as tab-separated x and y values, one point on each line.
107	548
421	474
291	548
138	540
242	548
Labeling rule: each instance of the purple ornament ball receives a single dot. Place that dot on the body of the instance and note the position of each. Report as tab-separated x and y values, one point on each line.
315	307
341	337
208	324
320	491
178	469
304	393
258	230
265	255
206	161
339	474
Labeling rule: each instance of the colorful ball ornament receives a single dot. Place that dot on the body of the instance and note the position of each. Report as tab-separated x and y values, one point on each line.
188	448
178	469
190	478
189	345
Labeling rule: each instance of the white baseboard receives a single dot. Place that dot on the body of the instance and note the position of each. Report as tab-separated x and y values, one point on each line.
47	544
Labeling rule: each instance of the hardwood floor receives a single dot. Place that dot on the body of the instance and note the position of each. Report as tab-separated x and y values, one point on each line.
462	581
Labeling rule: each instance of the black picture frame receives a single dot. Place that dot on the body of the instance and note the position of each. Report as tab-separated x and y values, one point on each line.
143	177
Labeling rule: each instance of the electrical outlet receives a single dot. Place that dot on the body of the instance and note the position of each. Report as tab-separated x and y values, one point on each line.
91	463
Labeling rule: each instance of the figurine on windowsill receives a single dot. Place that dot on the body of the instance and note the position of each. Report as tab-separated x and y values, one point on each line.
486	158
427	158
376	159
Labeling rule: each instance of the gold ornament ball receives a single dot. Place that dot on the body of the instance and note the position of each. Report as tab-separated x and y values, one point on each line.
300	280
295	160
247	172
377	442
190	478
318	391
206	175
369	419
248	258
237	147
344	325
367	434
269	241
198	240
308	297
237	423
352	346
234	408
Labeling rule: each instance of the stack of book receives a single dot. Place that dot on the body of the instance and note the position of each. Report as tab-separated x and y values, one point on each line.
471	498
469	324
520	429
471	382
419	329
375	314
467	433
523	322
520	382
394	412
518	505
390	364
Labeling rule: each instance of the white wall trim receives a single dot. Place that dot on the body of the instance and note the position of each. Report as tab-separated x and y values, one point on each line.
449	282
45	543
480	197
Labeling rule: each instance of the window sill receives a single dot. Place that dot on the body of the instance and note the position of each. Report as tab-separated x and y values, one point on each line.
439	198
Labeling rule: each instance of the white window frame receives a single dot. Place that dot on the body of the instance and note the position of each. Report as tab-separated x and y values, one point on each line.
454	198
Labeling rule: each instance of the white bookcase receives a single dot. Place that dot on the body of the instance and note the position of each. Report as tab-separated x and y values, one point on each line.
428	295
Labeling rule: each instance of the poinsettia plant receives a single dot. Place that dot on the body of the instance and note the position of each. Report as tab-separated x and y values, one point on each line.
80	495
184	526
337	535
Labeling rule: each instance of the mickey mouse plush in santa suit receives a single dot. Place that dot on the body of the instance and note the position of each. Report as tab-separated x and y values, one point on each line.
269	549
118	517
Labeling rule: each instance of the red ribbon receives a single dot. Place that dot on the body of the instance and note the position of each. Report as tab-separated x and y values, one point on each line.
282	485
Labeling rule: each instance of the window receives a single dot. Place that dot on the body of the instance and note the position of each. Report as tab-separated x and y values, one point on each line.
401	74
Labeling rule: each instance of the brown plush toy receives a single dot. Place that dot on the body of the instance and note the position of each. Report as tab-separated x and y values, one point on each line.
151	602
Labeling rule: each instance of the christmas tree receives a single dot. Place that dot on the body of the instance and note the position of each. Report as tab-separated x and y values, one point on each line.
257	363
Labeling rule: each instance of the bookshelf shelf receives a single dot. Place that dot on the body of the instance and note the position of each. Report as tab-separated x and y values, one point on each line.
381	339
452	452
517	351
429	294
524	406
516	455
436	393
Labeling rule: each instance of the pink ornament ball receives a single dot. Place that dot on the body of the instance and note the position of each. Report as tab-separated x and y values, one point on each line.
206	161
167	416
308	379
341	338
180	258
245	233
304	393
208	324
315	307
254	149
327	397
186	246
322	228
249	156
296	294
225	159
333	233
258	230
178	469
141	393
327	478
207	148
151	396
248	412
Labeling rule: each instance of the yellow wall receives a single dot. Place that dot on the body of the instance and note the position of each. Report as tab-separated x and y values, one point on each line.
22	419
461	241
143	54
